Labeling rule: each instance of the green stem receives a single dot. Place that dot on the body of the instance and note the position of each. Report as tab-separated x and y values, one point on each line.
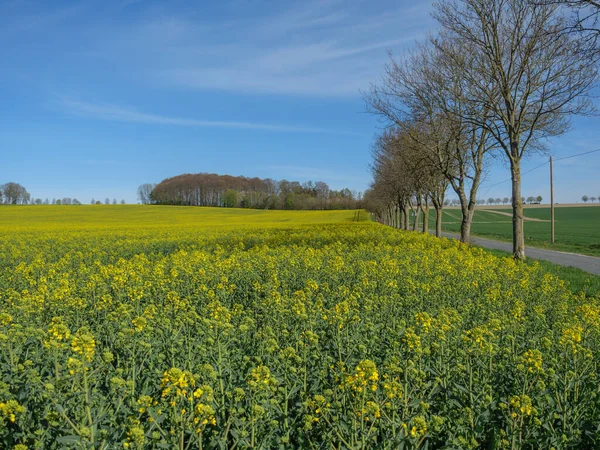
88	409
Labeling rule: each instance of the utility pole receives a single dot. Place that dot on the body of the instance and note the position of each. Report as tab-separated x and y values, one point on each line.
551	202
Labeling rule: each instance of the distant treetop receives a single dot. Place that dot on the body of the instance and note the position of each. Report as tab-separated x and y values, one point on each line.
205	189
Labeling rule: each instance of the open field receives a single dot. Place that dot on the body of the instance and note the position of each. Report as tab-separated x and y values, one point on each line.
152	327
577	228
536	206
94	217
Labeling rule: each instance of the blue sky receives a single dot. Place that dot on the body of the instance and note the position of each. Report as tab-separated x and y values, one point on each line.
98	97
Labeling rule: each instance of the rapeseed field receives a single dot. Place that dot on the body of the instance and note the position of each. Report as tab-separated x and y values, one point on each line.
180	328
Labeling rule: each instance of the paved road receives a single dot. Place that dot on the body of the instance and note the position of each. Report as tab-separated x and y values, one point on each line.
590	264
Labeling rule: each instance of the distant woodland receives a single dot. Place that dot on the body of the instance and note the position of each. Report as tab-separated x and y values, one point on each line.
204	189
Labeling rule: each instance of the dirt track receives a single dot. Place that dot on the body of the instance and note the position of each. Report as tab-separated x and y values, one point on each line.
527	219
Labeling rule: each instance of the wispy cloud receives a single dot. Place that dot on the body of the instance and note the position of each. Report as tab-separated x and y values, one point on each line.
116	113
310	48
326	48
321	48
324	69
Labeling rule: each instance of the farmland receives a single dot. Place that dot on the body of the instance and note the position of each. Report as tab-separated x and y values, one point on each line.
158	327
577	228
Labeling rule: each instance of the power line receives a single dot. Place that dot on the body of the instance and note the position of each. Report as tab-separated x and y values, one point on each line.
541	165
510	179
580	154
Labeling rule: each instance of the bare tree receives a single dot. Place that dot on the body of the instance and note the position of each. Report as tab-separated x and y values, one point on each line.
406	182
144	192
14	194
393	181
531	77
425	96
584	17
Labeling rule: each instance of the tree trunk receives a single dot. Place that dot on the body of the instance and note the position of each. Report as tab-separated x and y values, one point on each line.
465	224
438	217
416	217
467	208
517	205
426	217
406	218
402	216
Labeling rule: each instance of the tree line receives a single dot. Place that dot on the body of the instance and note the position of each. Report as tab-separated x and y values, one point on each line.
495	82
206	189
15	194
107	201
592	199
496	201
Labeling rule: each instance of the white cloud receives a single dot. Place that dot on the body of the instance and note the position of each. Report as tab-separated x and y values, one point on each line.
309	48
118	113
313	52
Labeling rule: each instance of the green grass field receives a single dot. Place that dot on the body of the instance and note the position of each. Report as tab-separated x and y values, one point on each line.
577	228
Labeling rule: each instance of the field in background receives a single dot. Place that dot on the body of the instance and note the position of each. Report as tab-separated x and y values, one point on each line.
87	217
577	227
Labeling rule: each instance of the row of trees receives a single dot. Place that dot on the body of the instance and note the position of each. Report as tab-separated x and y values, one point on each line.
57	201
15	194
495	201
204	189
61	201
592	199
498	79
107	201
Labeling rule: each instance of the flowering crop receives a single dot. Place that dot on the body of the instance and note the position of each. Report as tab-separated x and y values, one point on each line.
285	335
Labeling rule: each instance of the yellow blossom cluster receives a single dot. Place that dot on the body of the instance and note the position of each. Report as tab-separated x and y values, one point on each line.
84	344
177	382
10	410
532	360
260	379
521	405
365	377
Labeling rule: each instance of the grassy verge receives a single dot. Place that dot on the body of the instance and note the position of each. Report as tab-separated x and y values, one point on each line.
547	245
533	242
577	280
